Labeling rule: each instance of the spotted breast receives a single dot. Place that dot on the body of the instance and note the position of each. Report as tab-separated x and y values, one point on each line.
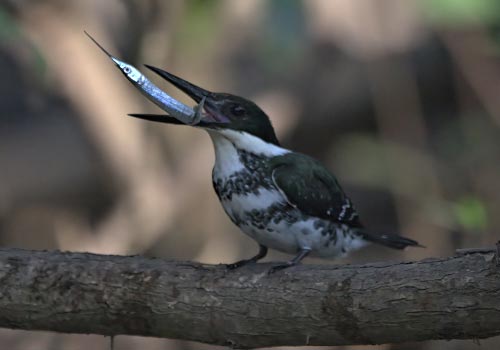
244	184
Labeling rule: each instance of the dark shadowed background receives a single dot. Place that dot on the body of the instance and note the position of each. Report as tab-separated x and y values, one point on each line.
400	99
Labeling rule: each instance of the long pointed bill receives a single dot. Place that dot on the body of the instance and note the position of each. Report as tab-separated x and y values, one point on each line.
193	91
159	118
205	98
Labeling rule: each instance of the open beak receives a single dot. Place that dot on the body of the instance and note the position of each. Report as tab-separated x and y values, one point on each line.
193	91
211	117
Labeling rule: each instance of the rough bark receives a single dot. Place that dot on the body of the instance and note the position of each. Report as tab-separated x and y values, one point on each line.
446	298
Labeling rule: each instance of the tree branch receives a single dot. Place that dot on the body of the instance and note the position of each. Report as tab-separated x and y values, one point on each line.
446	298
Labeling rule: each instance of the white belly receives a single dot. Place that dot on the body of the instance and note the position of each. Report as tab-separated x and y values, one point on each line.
270	234
301	232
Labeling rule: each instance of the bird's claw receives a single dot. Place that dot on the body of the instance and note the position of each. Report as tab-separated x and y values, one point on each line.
198	112
279	267
301	255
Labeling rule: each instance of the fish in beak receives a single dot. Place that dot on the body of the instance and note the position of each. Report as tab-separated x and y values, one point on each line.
176	110
207	109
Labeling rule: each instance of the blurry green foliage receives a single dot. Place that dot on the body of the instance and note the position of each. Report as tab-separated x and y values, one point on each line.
197	29
462	12
282	34
471	213
8	28
11	34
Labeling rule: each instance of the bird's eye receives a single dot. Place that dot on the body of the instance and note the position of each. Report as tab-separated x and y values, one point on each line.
237	110
127	70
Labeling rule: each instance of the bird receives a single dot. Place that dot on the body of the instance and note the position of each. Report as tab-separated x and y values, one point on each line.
284	200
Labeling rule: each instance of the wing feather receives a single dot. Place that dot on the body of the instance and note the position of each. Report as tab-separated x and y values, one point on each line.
310	187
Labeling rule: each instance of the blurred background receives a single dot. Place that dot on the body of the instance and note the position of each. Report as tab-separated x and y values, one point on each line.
400	99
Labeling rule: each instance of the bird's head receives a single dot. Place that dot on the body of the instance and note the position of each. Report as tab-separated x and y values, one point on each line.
220	110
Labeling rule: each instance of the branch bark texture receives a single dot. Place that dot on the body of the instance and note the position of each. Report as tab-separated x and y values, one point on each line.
447	298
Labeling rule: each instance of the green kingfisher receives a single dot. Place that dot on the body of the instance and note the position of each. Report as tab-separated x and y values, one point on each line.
284	200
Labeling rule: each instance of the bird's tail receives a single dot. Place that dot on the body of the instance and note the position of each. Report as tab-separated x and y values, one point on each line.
389	240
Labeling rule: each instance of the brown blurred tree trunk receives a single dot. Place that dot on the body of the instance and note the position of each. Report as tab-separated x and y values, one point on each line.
445	298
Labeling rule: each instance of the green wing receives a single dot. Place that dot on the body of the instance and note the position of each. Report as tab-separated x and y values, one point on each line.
310	187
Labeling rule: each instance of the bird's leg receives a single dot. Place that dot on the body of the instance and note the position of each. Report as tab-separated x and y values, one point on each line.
198	111
301	255
262	253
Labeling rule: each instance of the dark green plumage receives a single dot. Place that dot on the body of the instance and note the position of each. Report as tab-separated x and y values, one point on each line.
310	187
246	116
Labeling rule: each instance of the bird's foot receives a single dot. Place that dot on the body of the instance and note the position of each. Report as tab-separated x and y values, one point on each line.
198	112
301	255
262	253
280	267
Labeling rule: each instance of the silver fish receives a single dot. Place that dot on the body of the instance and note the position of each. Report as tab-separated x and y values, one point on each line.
176	109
